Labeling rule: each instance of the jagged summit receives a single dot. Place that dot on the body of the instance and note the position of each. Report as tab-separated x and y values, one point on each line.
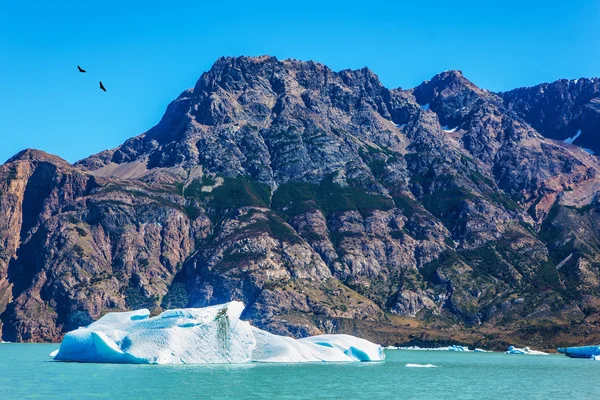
444	85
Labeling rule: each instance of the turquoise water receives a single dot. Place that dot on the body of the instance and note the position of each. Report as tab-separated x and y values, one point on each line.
26	372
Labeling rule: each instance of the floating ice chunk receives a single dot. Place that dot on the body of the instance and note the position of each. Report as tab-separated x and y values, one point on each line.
458	348
572	139
525	350
202	335
476	350
592	352
53	354
421	366
425	107
589	151
355	348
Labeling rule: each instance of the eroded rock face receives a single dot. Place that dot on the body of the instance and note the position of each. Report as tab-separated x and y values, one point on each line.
561	110
316	198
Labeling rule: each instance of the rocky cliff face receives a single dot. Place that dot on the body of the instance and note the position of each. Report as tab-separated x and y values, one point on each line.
567	110
323	200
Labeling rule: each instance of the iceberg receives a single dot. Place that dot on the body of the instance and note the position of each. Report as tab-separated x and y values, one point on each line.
210	335
525	350
592	352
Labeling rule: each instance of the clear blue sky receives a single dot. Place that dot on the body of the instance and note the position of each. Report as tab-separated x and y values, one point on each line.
147	52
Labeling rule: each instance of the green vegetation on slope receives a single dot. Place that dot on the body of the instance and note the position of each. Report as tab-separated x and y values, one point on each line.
295	198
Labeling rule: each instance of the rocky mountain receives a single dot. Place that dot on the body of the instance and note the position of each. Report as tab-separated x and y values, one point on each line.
325	202
567	110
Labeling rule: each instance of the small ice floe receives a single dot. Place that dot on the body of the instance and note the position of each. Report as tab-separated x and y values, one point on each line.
421	366
589	151
457	348
400	126
4	342
425	107
445	129
592	352
454	347
525	350
481	351
53	354
570	140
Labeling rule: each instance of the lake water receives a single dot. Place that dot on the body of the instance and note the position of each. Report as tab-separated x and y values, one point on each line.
26	372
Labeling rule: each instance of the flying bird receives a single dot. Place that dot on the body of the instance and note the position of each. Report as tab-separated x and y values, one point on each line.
81	69
102	86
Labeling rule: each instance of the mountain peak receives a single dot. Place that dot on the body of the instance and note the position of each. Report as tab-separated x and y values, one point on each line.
450	74
232	61
451	81
36	155
229	72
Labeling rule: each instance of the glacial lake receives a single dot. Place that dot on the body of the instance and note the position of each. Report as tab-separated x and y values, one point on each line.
26	372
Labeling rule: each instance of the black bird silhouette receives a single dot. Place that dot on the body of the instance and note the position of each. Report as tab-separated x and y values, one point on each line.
81	69
102	86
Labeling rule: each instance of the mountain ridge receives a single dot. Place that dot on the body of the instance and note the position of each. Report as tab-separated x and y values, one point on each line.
323	200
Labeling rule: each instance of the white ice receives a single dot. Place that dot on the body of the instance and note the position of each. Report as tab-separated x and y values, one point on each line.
421	366
454	347
355	348
445	129
202	335
572	139
458	348
525	350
